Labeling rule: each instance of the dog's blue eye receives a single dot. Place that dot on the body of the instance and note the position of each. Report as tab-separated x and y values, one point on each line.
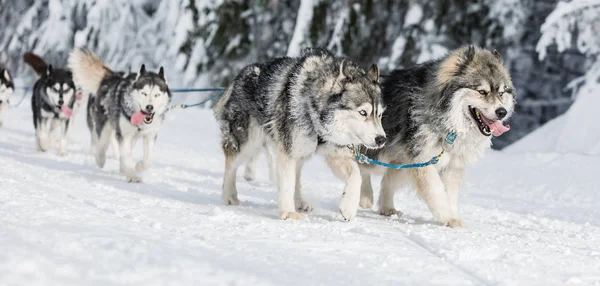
157	95
482	92
363	113
144	94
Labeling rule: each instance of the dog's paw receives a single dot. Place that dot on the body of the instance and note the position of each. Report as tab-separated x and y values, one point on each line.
390	212
231	201
100	160
290	215
366	202
347	211
134	179
454	223
44	145
304	207
249	175
141	166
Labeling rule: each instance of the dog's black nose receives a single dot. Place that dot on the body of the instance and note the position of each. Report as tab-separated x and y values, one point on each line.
61	102
149	107
0	101
501	112
380	140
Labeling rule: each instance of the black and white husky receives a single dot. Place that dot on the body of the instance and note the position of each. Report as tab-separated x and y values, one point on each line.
468	93
7	88
52	102
124	106
298	107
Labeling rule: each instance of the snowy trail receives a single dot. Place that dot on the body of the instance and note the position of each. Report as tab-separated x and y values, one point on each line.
530	221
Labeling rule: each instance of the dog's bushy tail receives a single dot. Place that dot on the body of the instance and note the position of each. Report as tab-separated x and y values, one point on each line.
218	110
37	64
88	70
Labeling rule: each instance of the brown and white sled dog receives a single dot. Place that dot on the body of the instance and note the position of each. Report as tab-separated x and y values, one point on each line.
127	107
7	88
316	103
469	93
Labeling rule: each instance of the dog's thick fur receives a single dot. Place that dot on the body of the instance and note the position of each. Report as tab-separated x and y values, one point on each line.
53	91
298	107
7	89
423	105
117	98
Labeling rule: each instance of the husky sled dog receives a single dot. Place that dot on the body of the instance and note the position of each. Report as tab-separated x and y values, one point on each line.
469	93
301	106
52	102
92	109
7	88
125	106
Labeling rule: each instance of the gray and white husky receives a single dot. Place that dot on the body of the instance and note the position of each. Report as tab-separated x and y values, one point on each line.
316	103
7	88
124	106
469	93
52	102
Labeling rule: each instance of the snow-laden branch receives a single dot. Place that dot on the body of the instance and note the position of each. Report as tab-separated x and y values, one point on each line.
580	15
303	21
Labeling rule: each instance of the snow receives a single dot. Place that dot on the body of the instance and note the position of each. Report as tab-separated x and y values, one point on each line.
303	21
530	219
413	15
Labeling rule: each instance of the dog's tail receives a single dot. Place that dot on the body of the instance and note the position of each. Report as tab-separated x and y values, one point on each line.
218	110
37	64
88	70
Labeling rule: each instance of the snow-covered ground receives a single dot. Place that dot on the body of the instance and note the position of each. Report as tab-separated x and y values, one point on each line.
531	220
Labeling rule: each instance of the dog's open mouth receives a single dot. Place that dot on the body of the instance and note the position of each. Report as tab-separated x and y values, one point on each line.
487	126
148	117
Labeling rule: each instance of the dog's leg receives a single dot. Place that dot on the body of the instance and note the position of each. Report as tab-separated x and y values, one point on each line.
453	178
114	146
347	170
392	180
94	142
366	191
431	189
302	205
3	107
64	124
102	144
271	164
42	137
229	192
250	167
286	180
54	132
127	164
148	147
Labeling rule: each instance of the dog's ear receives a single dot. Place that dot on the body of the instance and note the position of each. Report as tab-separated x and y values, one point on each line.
468	54
161	73
141	73
6	75
344	70
497	54
49	70
373	73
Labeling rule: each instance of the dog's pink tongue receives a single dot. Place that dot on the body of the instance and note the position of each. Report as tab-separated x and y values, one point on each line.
67	111
137	118
498	128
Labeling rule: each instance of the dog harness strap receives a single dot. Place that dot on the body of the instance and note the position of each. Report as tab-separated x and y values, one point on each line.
184	106
362	159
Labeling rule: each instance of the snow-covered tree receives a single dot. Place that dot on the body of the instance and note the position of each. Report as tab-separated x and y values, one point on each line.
576	25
